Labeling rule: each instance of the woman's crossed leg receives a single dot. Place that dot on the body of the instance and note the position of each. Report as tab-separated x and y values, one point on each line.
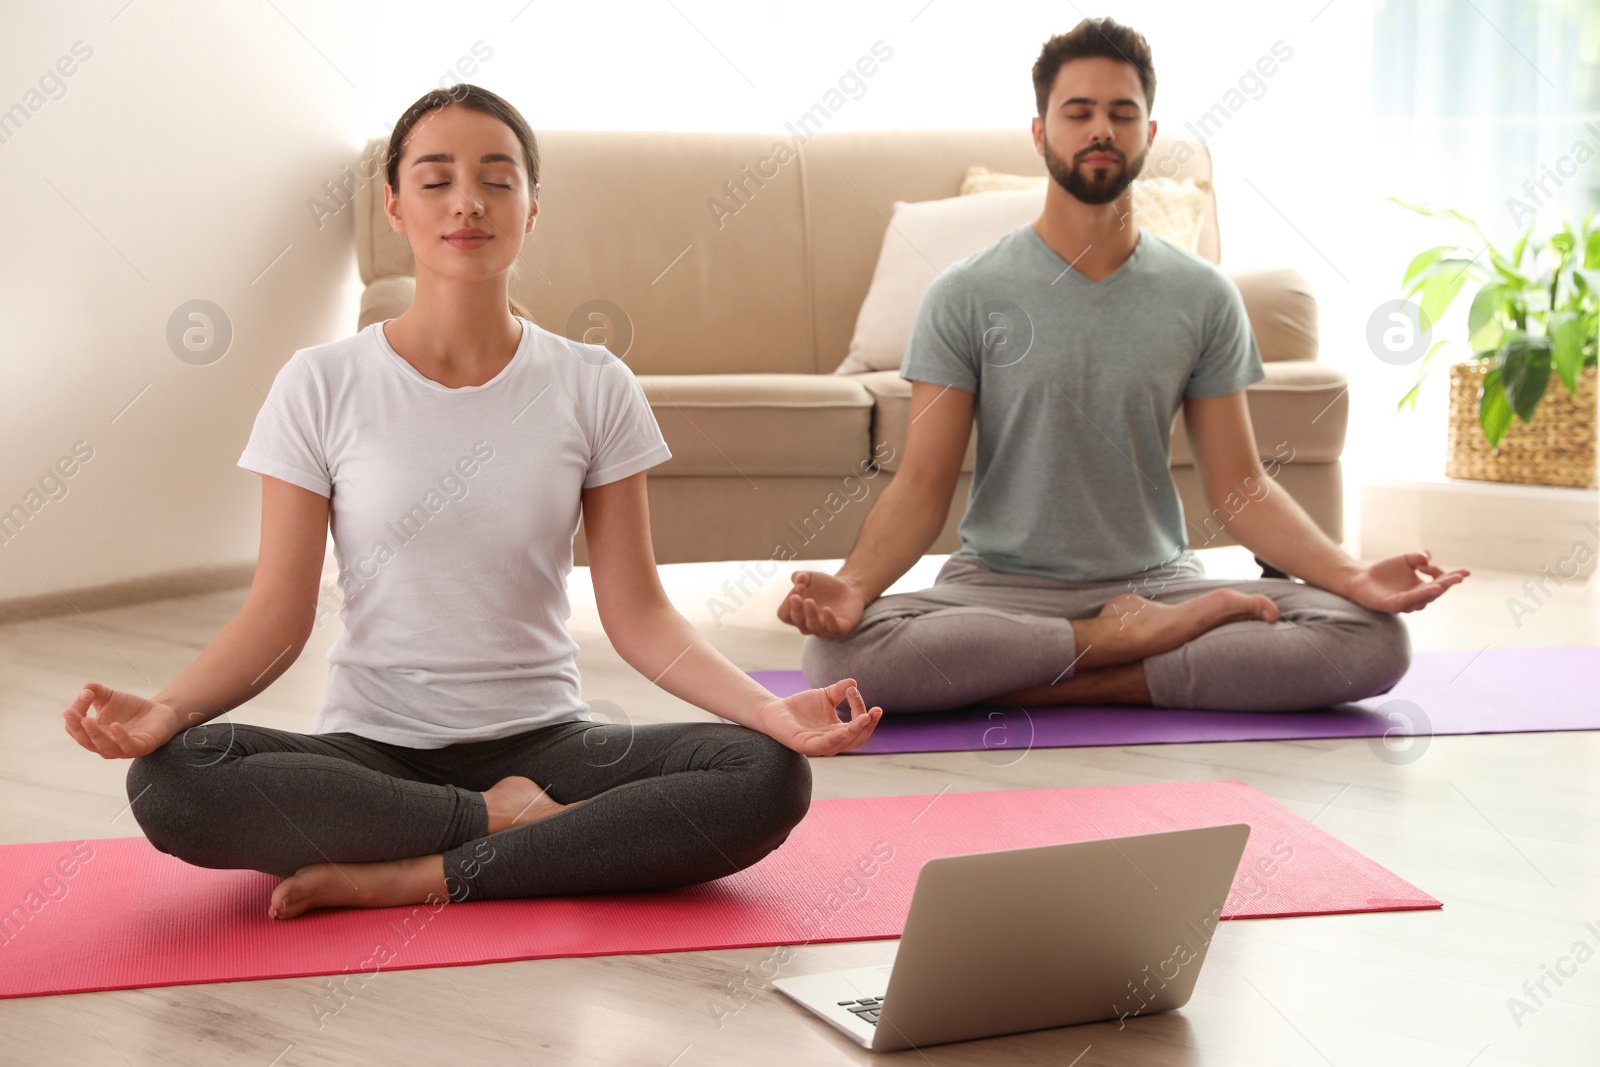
572	808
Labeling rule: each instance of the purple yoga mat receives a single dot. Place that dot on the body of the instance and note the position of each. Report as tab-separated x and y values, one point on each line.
1491	691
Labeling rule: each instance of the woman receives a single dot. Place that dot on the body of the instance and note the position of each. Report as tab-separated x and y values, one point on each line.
452	447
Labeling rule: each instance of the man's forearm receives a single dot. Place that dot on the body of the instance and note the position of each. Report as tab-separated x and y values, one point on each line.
898	530
1277	529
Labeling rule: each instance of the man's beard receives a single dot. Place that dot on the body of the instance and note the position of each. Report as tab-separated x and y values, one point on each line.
1101	187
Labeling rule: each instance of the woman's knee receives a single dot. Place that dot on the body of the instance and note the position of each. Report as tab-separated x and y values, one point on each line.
156	781
786	775
1384	653
780	788
164	789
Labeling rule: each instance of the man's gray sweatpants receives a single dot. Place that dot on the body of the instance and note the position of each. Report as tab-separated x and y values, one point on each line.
978	633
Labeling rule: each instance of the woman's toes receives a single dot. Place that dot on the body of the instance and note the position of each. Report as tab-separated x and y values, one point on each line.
290	898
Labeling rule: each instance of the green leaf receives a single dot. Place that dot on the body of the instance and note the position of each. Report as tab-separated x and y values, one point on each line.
1524	373
1562	242
1521	245
1487	338
1423	261
1494	414
1443	213
1566	352
1443	282
1514	279
1590	278
1483	325
1410	399
1591	254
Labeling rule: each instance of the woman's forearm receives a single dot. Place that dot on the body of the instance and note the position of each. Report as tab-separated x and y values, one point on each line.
666	648
245	657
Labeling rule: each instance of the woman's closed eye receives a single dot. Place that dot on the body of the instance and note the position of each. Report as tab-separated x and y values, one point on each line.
437	185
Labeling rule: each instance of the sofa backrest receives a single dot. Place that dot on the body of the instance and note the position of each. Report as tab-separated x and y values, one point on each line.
710	253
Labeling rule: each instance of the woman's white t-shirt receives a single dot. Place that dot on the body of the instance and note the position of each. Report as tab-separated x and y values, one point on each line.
453	513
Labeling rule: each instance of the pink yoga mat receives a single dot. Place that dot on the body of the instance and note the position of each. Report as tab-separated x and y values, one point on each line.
1489	691
117	914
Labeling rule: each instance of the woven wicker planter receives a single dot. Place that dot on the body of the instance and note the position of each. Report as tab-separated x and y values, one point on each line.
1556	448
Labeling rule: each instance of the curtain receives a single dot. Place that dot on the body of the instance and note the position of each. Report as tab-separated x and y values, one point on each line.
1491	107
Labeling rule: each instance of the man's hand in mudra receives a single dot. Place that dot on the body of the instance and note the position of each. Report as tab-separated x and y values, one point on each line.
822	604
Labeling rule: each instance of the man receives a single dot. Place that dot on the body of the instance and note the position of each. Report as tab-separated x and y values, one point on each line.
1074	583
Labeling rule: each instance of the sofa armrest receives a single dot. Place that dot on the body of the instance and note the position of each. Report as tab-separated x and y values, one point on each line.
1299	413
1282	310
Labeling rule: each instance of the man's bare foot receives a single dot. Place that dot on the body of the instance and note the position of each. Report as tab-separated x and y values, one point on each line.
1131	627
1124	684
514	801
417	880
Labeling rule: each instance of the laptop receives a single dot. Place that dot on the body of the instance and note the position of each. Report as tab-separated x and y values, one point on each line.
1033	938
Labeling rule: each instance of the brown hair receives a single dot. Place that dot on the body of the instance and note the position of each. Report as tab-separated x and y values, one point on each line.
1094	37
477	99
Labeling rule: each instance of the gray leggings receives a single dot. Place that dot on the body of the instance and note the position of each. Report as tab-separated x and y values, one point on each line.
667	805
978	633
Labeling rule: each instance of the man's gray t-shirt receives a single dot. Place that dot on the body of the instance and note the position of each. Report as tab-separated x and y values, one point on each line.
1077	385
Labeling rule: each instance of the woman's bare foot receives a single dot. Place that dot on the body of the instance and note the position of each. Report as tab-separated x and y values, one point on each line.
514	801
1131	627
417	880
511	802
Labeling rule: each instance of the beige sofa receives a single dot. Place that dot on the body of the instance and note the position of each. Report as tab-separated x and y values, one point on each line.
735	317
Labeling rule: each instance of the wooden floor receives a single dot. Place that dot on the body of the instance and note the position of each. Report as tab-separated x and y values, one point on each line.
1504	829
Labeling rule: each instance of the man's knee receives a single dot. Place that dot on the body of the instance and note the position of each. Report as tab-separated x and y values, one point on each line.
860	655
824	660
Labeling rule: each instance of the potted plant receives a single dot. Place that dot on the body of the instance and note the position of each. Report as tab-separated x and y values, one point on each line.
1535	313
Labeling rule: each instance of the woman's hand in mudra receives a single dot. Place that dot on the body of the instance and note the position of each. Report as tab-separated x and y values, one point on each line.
124	724
808	723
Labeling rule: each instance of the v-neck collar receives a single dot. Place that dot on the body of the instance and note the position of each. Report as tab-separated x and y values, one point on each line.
1064	268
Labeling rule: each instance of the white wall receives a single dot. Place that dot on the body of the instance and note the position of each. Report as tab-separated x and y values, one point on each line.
185	150
172	164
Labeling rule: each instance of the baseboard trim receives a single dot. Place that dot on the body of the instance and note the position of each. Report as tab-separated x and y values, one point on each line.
164	586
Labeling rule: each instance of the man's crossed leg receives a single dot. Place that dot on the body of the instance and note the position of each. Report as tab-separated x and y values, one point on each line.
980	635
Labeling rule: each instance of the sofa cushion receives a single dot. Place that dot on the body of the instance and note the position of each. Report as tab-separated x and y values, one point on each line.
891	419
760	424
1298	410
928	236
386	298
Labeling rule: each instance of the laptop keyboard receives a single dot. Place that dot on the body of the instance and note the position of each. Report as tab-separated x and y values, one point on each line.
865	1008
